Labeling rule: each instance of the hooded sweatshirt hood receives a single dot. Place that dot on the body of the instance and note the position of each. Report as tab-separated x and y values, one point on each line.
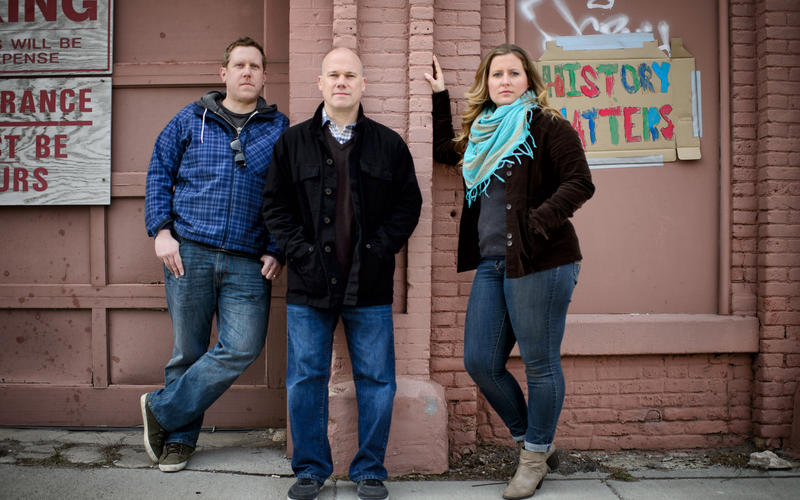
212	101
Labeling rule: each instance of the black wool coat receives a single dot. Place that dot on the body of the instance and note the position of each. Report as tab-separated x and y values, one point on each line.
299	207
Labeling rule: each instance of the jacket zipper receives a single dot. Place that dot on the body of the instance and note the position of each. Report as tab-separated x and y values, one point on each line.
233	172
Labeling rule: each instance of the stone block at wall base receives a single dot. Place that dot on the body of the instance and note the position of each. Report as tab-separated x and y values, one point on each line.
418	439
794	441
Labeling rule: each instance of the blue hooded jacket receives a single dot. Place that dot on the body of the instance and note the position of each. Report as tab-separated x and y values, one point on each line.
194	186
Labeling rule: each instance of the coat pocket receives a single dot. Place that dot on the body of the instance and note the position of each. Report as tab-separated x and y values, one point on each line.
533	243
309	275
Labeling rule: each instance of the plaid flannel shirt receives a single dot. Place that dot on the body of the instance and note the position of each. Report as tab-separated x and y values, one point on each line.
194	186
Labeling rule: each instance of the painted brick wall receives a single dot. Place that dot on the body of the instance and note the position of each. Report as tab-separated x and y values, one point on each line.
646	402
744	272
457	44
612	402
777	187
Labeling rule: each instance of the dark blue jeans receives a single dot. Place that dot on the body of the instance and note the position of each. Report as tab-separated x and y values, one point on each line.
370	342
530	311
214	282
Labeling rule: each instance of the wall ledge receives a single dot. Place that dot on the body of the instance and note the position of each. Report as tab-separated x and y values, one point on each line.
658	334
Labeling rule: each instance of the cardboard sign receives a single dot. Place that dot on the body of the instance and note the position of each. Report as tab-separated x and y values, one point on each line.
55	141
45	37
627	102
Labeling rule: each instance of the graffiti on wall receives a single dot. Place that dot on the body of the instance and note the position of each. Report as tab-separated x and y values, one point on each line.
599	17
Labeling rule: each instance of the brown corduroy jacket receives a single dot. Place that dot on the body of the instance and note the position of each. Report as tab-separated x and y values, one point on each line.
542	193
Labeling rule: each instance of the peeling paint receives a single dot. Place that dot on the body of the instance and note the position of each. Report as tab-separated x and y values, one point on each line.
431	405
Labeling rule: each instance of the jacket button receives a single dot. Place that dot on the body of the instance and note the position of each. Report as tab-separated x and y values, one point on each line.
509	243
326	220
508	206
508	173
509	236
369	245
329	161
328	191
310	249
327	249
333	281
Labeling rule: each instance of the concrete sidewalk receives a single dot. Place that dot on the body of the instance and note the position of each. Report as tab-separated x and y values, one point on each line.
56	464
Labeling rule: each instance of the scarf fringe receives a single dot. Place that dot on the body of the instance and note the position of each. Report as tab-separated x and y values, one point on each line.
523	150
498	138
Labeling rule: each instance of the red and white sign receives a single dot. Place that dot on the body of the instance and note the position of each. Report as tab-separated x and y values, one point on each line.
55	141
46	37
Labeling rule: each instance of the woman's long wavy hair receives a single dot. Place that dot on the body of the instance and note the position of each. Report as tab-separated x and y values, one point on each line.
478	95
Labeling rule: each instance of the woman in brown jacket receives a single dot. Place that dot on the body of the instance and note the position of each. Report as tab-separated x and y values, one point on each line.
525	174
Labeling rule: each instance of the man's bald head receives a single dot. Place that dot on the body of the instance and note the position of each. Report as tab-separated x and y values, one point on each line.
341	53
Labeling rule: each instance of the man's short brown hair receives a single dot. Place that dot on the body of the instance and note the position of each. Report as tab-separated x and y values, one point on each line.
245	41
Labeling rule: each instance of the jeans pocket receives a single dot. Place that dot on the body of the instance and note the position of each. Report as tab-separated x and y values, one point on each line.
576	270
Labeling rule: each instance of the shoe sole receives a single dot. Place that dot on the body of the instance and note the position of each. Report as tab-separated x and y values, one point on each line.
149	449
172	467
538	487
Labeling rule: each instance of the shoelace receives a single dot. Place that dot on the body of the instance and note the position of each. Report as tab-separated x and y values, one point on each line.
173	448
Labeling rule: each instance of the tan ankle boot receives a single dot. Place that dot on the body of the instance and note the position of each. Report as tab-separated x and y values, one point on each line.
530	473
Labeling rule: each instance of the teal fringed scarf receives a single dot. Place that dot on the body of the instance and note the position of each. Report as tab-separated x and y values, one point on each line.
497	137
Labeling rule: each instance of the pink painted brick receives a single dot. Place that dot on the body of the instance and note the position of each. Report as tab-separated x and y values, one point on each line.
458	32
469	18
420	42
381	15
422	12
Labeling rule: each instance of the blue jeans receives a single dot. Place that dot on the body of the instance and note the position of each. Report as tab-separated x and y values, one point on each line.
370	341
530	311
214	282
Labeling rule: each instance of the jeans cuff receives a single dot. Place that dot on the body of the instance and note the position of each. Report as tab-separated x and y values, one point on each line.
518	439
367	476
538	448
311	476
149	403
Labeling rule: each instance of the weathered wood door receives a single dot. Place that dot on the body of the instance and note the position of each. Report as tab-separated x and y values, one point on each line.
84	327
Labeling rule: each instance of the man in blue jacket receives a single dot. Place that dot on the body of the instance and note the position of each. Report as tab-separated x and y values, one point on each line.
341	200
202	206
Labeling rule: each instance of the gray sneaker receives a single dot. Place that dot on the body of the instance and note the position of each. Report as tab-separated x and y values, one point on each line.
305	488
154	434
175	457
371	489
